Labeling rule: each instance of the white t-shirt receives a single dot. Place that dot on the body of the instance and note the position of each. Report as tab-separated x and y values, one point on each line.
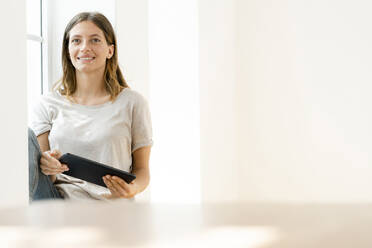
107	133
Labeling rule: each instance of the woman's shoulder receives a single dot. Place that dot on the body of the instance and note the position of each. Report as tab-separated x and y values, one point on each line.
132	96
50	94
51	98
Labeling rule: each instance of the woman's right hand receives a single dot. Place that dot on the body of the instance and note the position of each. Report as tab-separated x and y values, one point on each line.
50	164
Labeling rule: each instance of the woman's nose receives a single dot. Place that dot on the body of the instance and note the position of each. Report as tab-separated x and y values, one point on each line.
84	46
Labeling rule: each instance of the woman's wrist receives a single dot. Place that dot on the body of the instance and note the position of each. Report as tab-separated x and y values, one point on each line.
53	178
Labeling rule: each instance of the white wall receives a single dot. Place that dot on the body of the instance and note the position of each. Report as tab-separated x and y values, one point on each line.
132	32
13	105
217	75
174	91
304	100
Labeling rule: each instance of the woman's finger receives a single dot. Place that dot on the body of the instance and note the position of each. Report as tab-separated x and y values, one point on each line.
46	161
52	166
109	186
50	162
46	167
122	183
57	170
46	155
47	171
56	153
43	161
118	188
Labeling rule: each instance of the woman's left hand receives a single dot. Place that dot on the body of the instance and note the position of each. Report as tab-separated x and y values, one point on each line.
119	188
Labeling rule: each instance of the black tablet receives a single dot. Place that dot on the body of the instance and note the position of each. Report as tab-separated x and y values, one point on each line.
91	171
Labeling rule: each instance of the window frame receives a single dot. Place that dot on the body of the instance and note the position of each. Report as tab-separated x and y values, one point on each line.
42	39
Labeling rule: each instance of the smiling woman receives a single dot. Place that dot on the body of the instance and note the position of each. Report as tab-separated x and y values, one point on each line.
88	48
91	113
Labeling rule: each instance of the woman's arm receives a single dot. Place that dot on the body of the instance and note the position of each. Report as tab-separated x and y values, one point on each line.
119	188
44	146
43	141
141	168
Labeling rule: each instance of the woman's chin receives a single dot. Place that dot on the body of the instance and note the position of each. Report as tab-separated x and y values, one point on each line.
88	69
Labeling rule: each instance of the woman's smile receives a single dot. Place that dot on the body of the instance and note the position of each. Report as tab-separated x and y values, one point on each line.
86	59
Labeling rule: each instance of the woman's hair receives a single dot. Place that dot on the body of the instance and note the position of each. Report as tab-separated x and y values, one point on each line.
113	77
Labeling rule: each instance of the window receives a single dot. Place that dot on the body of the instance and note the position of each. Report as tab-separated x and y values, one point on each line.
34	52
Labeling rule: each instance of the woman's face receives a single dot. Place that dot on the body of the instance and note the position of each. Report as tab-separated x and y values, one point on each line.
88	48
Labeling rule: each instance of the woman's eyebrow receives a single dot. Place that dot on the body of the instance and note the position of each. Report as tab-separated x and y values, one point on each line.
78	35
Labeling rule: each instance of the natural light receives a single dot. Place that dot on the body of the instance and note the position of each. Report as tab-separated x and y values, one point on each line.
174	99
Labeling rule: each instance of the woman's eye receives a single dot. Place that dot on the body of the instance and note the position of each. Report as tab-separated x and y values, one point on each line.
96	40
74	40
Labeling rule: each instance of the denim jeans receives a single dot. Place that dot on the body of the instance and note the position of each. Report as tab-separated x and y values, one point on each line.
40	185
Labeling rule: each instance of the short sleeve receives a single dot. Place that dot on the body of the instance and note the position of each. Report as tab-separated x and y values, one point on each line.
40	118
141	124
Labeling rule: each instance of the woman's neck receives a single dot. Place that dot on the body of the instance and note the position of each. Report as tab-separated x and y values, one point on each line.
90	85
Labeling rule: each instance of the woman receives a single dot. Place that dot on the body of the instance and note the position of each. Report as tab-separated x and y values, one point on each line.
91	113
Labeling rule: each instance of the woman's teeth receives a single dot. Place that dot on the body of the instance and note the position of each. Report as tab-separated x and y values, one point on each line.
86	58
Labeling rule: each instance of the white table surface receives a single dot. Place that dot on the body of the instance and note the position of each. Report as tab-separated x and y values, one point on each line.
131	224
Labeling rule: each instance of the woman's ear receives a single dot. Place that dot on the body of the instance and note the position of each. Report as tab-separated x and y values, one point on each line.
111	51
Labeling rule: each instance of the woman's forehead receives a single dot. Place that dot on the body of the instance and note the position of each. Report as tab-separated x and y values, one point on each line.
86	28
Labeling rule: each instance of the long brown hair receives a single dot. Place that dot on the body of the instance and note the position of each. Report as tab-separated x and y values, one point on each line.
113	77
